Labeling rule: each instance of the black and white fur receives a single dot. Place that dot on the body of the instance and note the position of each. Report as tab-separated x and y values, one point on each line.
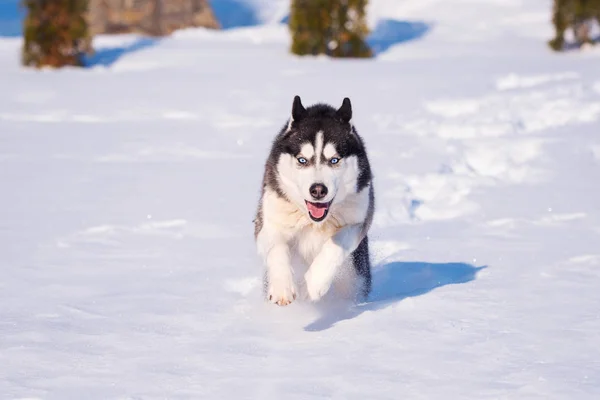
316	207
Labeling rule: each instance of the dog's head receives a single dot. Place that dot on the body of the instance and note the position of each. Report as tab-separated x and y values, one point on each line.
320	158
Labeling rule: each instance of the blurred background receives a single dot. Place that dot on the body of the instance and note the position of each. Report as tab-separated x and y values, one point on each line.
344	28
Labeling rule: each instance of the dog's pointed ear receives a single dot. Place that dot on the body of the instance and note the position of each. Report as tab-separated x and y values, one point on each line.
345	111
298	110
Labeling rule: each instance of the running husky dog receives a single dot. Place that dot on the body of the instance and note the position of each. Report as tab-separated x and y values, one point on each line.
316	207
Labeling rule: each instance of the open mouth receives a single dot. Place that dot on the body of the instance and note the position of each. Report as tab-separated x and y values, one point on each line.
317	211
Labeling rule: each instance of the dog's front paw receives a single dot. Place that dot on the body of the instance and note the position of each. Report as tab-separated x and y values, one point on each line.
317	284
282	291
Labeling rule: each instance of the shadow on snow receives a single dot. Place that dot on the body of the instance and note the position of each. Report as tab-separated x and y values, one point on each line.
387	33
234	14
390	32
394	282
107	56
11	18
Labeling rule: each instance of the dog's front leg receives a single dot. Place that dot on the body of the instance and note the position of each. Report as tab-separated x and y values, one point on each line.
334	252
274	249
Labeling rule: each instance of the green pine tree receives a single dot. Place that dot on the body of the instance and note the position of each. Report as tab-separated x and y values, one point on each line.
55	33
575	15
336	28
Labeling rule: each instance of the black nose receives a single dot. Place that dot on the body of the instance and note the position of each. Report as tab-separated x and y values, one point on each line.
318	191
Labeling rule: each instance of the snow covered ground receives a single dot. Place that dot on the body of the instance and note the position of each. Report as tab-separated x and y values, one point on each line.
127	262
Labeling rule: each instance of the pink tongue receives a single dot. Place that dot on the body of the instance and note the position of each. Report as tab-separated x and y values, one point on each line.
316	210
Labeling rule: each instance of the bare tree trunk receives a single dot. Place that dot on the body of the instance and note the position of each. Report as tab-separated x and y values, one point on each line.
156	18
151	17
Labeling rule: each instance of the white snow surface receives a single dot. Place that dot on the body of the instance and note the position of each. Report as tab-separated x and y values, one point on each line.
128	190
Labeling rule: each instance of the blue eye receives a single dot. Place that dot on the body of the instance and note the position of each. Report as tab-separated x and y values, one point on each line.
302	160
334	160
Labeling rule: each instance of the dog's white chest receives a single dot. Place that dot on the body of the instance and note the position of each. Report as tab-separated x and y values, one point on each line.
309	241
